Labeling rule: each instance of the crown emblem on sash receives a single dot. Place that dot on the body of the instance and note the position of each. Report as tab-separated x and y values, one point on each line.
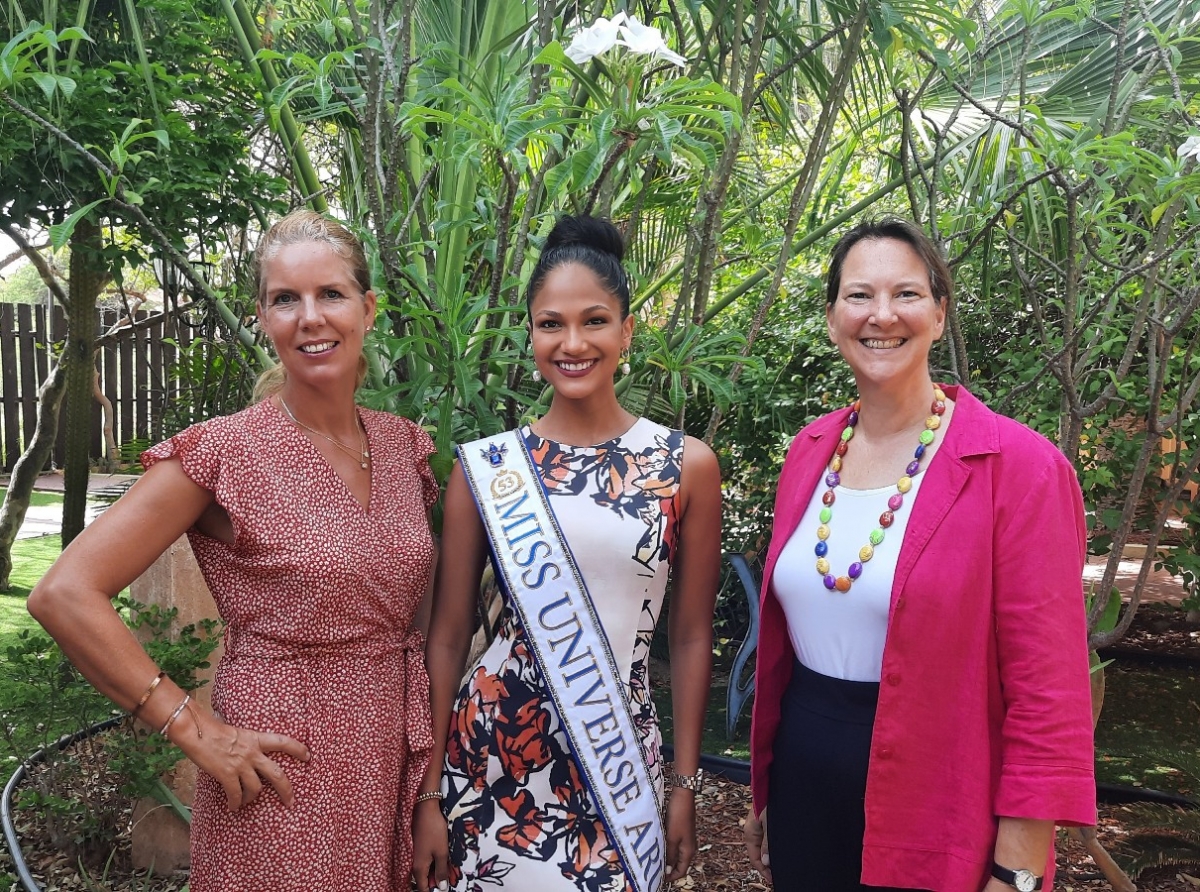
495	454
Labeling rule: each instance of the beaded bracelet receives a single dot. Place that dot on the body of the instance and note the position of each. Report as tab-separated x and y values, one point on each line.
187	698
150	690
432	794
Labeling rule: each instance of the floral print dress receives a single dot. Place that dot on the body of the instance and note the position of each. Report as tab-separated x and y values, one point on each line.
519	815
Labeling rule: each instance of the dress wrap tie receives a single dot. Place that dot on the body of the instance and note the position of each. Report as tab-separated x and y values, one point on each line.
418	731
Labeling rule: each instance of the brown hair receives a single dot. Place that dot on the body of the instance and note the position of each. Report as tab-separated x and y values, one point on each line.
905	231
298	227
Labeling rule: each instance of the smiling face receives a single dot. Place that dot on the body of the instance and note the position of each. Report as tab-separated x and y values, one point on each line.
315	313
884	319
577	331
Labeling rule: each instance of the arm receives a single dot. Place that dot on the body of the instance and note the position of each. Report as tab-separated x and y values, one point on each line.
425	608
73	601
460	567
1046	769
696	574
754	835
1021	842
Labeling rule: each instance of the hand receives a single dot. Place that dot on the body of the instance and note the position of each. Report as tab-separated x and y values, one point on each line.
681	833
995	885
431	848
755	835
237	758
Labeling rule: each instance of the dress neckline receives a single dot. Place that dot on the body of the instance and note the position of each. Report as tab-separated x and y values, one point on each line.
528	432
284	422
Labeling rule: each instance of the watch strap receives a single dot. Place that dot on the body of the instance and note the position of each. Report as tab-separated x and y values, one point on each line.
1005	875
693	782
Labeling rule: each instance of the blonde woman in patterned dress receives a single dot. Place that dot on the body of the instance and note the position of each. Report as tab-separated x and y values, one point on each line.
309	519
505	805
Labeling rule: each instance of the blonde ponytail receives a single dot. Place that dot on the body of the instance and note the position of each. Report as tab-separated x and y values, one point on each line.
269	383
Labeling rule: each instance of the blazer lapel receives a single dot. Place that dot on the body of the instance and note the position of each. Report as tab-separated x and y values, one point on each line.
972	431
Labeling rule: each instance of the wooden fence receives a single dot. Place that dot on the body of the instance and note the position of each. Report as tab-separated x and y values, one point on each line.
135	374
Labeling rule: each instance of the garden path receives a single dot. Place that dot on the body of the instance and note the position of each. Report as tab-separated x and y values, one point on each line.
46	520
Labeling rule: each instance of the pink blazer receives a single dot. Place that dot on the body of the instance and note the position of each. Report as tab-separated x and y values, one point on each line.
984	702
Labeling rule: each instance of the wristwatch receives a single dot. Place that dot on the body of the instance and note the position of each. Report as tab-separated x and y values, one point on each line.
1021	880
693	782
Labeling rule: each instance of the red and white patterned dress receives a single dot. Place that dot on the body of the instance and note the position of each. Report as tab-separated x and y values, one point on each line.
520	817
318	596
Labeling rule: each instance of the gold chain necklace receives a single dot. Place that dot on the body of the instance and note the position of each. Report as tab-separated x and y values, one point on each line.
362	455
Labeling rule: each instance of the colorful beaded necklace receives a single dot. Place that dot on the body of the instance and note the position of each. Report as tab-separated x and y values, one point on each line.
888	517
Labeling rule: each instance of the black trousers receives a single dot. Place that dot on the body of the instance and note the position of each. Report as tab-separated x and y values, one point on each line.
818	783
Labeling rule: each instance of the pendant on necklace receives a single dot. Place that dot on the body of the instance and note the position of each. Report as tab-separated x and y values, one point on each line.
894	503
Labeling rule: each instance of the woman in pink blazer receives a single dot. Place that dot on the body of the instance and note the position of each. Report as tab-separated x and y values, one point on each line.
922	717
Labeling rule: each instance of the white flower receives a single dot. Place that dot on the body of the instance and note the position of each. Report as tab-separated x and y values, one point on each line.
592	41
624	30
648	41
1190	148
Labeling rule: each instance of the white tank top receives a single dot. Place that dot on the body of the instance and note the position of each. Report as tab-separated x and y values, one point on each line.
835	633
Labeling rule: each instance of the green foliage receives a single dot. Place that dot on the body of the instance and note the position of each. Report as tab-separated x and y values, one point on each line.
1106	623
43	697
215	376
22	285
1166	835
141	759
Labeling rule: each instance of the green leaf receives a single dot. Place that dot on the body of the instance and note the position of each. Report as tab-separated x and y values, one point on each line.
60	233
47	82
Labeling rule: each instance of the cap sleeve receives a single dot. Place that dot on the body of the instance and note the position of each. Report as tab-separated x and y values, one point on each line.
423	447
198	451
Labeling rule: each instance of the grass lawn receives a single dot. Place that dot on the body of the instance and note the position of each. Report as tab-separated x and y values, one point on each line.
31	559
39	499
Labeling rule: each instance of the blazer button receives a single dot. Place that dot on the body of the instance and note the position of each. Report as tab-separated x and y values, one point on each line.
900	602
893	678
884	752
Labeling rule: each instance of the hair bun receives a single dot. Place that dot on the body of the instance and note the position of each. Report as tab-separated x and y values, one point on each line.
592	232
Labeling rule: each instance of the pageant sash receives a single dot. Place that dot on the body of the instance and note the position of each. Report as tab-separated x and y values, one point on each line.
538	572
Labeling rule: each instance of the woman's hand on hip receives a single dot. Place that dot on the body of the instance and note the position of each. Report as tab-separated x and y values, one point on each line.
754	832
681	833
431	847
237	759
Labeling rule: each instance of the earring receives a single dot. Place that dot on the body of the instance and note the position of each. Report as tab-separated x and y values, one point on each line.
625	361
537	376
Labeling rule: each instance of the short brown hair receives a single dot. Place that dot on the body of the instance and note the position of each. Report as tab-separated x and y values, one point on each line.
905	231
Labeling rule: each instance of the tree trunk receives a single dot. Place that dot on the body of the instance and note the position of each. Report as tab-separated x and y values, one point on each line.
28	466
86	281
108	461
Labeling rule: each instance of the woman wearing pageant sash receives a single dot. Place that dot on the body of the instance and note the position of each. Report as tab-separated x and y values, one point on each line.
922	716
308	517
546	772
